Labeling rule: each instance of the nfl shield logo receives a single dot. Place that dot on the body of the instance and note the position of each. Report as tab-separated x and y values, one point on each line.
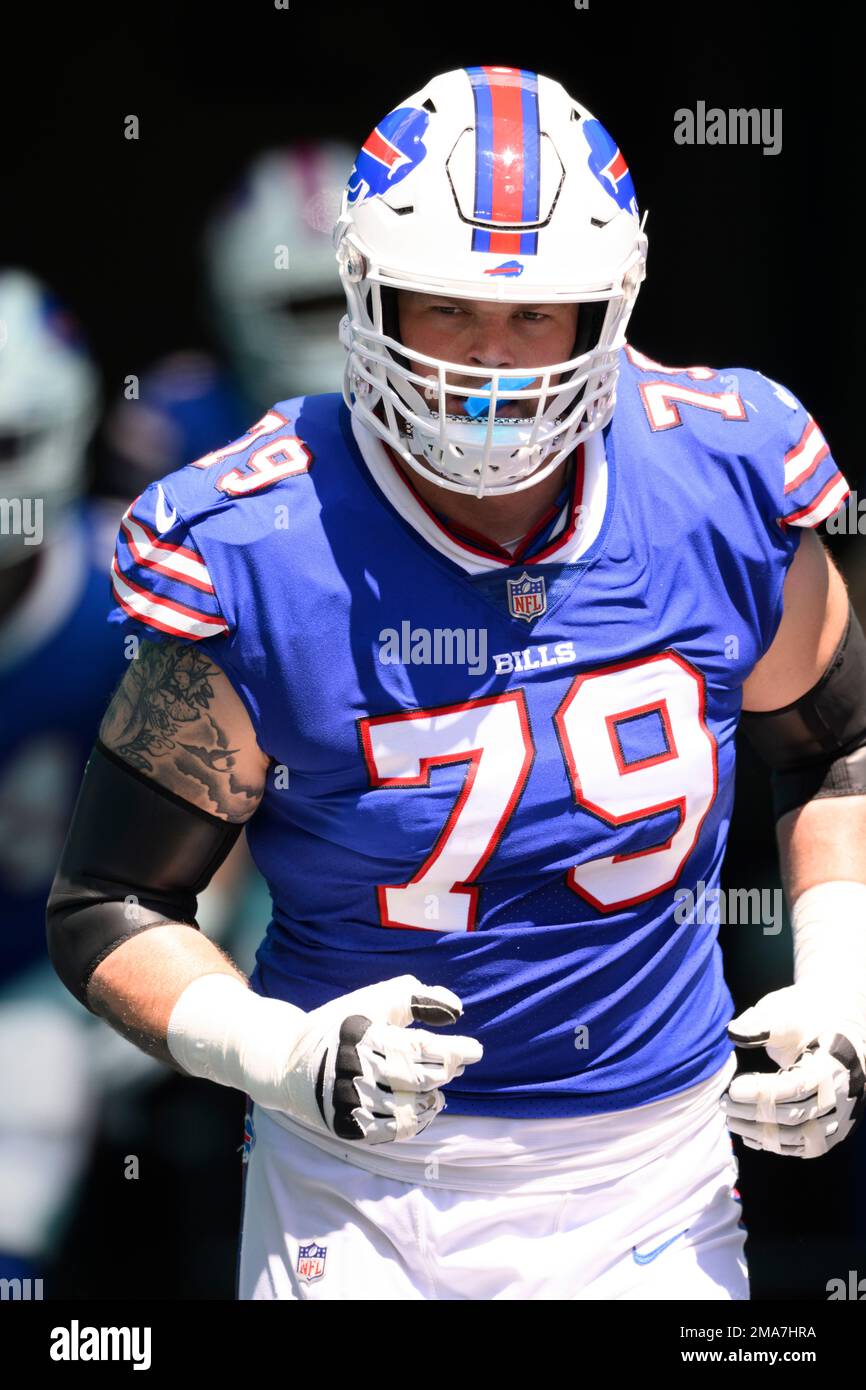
526	597
311	1262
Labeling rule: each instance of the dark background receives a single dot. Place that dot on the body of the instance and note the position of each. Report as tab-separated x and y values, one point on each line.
754	260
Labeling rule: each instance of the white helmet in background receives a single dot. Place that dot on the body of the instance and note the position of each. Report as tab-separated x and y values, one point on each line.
490	183
280	321
49	401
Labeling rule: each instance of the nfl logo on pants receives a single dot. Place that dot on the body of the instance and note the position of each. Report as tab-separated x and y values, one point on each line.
527	598
311	1262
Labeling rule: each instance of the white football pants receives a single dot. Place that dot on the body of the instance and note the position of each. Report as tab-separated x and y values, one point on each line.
646	1209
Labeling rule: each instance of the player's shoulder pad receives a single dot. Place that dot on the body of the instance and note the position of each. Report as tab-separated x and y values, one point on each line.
170	562
753	425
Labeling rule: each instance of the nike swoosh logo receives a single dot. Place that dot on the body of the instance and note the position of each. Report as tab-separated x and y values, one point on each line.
164	522
651	1254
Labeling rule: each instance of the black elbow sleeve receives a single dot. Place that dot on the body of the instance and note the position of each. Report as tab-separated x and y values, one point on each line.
816	747
136	856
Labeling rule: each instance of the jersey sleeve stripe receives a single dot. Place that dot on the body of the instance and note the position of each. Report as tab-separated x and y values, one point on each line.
804	458
189	551
174	561
828	501
162	613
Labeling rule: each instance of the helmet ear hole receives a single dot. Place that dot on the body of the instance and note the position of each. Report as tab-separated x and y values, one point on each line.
590	321
391	322
390	312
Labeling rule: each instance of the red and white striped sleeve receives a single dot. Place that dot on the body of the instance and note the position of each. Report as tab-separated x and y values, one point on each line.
159	578
814	488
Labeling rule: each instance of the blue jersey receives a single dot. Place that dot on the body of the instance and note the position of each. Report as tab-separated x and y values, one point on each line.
59	662
494	770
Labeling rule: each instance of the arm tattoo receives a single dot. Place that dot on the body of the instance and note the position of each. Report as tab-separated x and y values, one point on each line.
160	720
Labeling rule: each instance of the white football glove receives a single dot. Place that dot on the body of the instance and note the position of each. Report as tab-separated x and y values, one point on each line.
352	1068
817	1099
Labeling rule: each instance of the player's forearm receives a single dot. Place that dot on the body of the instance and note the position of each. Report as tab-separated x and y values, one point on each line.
351	1067
822	841
136	987
823	857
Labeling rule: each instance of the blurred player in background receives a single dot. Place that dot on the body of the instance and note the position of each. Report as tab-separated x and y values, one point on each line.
58	662
272	282
273	299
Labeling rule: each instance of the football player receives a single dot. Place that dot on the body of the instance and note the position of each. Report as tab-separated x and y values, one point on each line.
56	672
272	287
466	650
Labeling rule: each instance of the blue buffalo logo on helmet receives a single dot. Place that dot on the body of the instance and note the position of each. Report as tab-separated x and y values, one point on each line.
527	597
608	164
506	268
389	153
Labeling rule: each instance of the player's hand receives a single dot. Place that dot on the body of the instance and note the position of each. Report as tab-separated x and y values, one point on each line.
358	1071
817	1098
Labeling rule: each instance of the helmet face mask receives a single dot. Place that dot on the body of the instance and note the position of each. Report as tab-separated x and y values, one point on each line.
409	397
476	449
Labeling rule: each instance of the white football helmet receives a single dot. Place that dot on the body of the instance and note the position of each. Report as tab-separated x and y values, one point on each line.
49	400
490	183
277	311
